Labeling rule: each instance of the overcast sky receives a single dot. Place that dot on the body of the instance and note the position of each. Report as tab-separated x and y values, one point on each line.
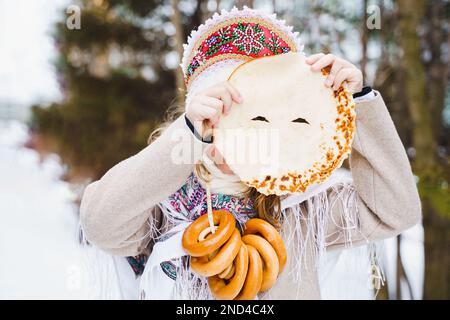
26	50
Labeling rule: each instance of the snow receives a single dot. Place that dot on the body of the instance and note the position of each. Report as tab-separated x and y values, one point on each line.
27	74
38	231
41	258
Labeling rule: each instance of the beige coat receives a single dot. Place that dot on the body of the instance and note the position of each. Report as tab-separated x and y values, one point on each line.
116	208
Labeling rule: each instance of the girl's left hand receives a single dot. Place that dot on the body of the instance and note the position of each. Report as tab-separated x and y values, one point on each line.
341	70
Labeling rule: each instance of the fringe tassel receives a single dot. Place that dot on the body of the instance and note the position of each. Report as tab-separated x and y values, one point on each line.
172	216
189	286
99	271
305	225
377	277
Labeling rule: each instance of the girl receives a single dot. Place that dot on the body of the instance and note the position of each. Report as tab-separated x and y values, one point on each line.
140	207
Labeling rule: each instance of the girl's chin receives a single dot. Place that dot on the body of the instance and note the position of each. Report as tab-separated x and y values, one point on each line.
225	168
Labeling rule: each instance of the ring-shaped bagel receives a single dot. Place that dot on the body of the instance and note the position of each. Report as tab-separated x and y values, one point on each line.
268	232
205	267
269	257
227	273
195	248
253	281
228	290
202	236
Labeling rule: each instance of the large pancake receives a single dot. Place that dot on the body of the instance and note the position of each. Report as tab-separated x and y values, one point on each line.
291	131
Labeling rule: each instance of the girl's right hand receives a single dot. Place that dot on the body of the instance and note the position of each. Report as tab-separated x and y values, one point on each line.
206	107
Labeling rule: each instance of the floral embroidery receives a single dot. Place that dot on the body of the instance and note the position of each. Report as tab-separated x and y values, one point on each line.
200	57
213	40
169	269
226	48
192	198
224	33
137	263
249	39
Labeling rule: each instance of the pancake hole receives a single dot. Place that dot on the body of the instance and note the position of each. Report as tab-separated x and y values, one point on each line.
300	120
260	118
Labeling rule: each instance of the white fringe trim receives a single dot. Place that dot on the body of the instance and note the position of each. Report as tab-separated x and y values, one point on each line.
307	224
99	272
189	286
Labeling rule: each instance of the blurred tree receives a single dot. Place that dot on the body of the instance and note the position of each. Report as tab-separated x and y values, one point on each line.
179	40
423	140
326	26
118	74
241	3
436	42
364	39
431	170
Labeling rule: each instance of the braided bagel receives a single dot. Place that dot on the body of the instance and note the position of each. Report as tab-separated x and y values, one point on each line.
253	281
194	247
222	290
268	232
208	267
269	257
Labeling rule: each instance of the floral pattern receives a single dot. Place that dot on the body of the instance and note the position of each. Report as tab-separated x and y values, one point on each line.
192	198
248	39
137	263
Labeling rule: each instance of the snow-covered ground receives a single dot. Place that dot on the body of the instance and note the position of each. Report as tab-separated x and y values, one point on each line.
39	254
41	259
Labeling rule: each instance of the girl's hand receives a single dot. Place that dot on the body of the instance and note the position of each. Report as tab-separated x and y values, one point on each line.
206	107
341	70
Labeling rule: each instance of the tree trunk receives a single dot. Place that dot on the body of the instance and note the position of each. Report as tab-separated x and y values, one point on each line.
179	39
411	16
437	255
389	77
425	162
438	71
364	39
241	3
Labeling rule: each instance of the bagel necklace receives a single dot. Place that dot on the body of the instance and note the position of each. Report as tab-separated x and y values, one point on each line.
237	267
